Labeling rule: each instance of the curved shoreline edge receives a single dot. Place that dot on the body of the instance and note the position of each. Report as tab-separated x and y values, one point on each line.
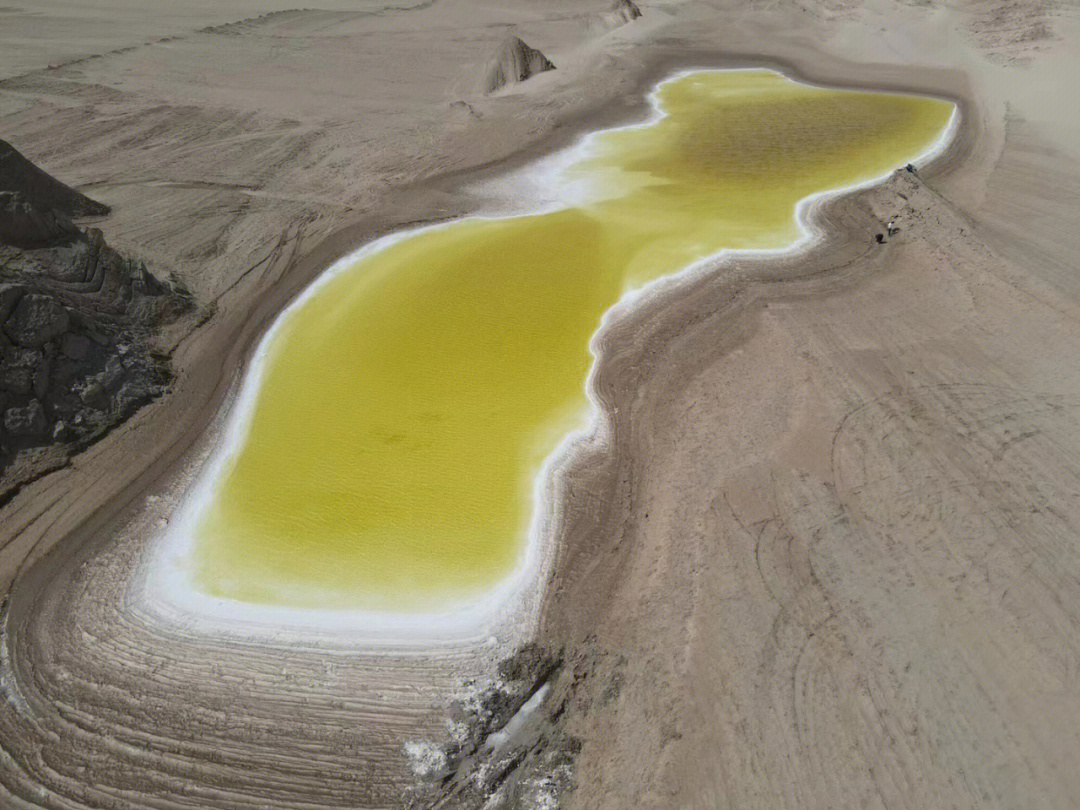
512	609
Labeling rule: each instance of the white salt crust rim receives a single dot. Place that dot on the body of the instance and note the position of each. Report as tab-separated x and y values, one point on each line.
162	588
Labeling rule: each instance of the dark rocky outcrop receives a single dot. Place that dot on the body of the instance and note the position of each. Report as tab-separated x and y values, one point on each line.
23	225
514	62
35	320
510	741
40	190
77	325
501	755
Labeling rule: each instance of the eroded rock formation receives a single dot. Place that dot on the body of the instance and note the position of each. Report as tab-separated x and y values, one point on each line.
508	746
77	322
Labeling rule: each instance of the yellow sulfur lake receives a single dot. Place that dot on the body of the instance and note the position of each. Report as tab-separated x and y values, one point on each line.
405	406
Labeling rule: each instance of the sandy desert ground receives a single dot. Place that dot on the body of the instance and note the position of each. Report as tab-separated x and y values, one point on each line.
830	557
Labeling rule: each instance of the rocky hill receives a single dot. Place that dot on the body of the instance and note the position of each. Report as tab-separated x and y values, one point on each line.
77	325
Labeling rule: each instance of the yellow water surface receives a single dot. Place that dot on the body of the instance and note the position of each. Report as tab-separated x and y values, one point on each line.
405	407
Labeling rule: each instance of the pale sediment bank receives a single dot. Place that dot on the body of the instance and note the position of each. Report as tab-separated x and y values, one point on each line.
508	611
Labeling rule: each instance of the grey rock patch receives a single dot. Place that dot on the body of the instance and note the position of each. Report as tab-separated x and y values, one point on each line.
507	747
17	367
35	320
26	422
9	296
22	225
75	346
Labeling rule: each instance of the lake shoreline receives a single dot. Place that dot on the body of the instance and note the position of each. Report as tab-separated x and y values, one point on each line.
509	611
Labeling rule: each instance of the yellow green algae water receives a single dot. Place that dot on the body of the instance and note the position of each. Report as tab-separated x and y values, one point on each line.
406	405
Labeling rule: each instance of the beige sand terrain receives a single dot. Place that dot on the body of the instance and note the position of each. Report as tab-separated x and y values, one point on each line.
831	557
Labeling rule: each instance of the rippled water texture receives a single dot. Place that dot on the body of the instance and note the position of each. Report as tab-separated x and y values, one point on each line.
406	406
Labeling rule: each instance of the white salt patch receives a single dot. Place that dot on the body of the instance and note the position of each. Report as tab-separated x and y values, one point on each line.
426	759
